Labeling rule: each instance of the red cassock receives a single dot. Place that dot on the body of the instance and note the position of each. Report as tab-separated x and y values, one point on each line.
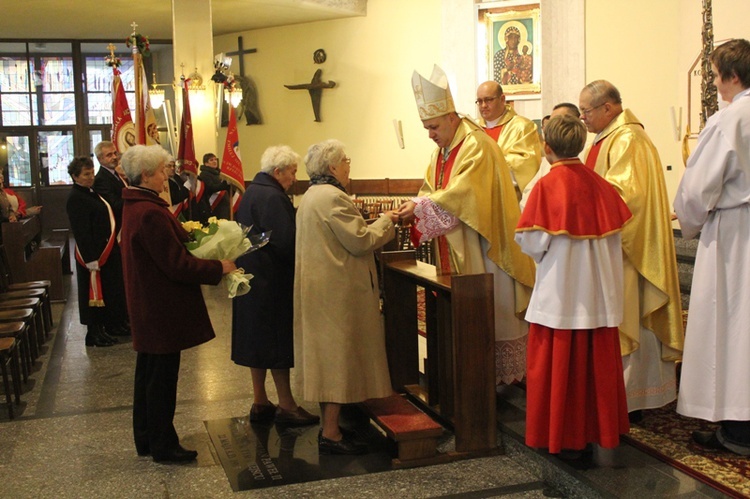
575	389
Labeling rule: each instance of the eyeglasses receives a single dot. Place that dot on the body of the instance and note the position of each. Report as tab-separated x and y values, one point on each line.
347	160
487	100
586	112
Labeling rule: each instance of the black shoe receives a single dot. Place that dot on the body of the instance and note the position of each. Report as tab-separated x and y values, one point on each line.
298	417
96	339
344	446
108	337
142	450
707	439
178	455
262	413
635	417
119	330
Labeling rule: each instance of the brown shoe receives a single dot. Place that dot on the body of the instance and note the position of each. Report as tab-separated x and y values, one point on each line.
262	413
298	417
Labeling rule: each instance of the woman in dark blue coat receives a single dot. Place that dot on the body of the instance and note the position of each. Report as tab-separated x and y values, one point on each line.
262	325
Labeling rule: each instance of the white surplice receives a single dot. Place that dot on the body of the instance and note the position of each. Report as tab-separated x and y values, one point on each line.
564	297
714	198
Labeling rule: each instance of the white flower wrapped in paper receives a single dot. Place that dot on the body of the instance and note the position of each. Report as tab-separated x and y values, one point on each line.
225	240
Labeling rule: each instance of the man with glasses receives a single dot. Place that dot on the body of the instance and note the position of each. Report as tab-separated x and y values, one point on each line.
517	136
468	207
651	334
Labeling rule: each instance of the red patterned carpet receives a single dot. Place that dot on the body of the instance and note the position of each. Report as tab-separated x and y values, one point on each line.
667	436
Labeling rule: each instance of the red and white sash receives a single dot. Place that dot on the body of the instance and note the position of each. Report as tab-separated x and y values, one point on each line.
96	295
216	198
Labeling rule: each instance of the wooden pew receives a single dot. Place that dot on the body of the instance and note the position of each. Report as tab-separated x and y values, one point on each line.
33	258
460	387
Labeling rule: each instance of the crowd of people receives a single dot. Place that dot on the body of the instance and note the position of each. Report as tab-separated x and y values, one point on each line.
580	245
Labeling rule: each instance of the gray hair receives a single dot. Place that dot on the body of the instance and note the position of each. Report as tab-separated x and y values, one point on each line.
139	159
101	145
602	91
322	155
279	158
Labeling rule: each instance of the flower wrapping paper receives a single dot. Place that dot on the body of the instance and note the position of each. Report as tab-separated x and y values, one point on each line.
222	240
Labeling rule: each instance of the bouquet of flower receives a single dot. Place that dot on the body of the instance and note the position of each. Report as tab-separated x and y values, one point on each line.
225	240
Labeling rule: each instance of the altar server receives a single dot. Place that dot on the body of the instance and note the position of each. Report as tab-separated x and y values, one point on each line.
571	227
714	199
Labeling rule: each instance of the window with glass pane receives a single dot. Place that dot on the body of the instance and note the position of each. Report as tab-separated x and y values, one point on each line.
14	91
59	109
55	153
19	161
99	88
16	109
56	76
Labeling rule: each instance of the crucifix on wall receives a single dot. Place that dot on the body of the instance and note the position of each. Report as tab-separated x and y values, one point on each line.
249	107
315	87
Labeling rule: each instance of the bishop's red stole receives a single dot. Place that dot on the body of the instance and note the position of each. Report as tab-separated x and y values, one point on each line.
443	168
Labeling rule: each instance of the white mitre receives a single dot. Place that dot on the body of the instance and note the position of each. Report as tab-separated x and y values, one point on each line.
433	96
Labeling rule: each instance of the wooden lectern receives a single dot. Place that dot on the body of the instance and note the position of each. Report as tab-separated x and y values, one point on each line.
460	369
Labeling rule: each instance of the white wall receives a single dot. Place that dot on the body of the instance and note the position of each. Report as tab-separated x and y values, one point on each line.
371	59
644	47
648	56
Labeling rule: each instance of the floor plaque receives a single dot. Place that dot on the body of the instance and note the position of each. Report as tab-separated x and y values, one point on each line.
256	456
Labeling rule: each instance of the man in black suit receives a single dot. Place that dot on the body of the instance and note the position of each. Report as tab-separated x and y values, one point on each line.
108	183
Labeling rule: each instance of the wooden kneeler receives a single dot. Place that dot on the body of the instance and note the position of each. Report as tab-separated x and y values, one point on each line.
413	431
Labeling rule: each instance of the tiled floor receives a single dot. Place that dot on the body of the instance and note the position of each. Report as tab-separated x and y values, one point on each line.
73	437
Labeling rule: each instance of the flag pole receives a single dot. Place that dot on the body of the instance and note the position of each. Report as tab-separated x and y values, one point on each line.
137	80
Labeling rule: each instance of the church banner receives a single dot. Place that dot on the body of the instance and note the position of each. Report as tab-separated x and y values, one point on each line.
123	130
186	148
145	121
231	162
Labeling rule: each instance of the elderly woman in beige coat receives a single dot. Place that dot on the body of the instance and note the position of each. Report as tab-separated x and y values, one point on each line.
338	330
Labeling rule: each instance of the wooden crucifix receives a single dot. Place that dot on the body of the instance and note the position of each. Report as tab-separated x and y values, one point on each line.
241	52
249	107
315	87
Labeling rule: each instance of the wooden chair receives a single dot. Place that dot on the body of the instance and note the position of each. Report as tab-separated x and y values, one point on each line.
8	286
35	305
41	294
9	359
26	317
17	331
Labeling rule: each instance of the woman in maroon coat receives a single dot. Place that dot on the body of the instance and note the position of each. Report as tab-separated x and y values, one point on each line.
162	286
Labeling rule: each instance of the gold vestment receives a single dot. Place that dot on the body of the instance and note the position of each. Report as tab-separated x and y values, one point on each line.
519	141
480	194
629	161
